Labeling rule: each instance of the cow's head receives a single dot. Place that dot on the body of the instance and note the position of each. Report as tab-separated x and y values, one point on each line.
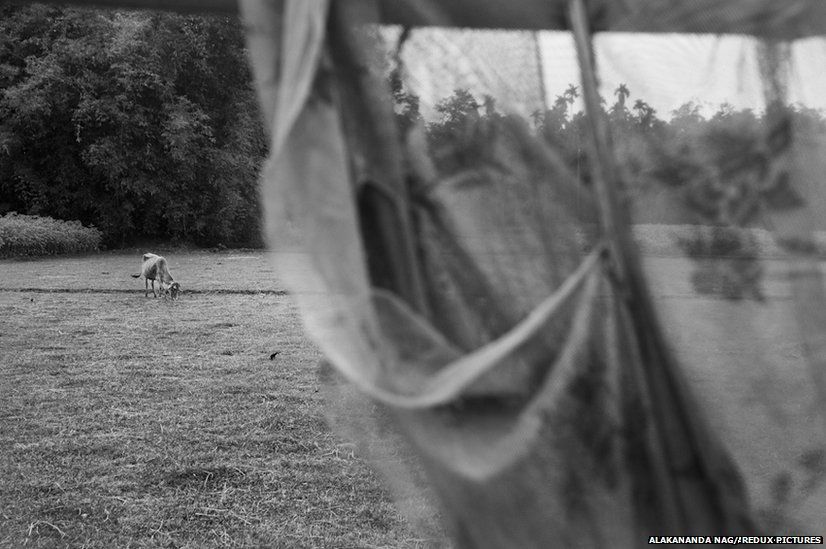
173	290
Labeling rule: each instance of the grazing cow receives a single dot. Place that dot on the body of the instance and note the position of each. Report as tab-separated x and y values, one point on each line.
155	268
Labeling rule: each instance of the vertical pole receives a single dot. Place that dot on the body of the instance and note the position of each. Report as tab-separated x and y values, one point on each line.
699	486
615	225
543	91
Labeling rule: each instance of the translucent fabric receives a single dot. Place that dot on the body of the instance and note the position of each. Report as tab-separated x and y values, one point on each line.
571	318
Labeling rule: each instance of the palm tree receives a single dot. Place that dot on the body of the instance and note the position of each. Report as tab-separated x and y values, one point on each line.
561	106
622	93
561	102
571	93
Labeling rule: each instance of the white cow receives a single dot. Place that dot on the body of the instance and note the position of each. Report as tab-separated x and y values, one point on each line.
155	268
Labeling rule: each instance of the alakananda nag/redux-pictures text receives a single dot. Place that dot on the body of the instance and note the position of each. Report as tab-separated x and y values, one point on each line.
737	540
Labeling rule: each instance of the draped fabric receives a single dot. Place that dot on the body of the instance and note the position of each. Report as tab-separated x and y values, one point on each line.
472	280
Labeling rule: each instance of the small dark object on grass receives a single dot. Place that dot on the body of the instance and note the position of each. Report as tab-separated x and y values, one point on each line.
272	356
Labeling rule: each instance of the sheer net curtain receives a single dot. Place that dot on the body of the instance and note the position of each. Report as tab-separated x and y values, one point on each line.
741	295
433	203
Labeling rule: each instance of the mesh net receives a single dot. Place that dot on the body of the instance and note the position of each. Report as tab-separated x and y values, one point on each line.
560	305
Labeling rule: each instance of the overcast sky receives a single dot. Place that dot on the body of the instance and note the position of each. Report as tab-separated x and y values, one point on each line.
668	70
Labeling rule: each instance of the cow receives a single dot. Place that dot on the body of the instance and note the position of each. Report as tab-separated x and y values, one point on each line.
154	268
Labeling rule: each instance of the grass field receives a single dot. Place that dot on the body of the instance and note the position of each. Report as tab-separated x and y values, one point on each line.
134	422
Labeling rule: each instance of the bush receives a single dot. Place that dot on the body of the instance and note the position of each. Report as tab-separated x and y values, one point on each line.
32	235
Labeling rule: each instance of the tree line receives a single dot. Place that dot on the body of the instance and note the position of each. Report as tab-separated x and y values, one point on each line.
726	171
142	124
720	169
146	125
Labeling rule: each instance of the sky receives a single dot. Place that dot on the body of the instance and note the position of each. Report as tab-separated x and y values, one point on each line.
664	70
668	70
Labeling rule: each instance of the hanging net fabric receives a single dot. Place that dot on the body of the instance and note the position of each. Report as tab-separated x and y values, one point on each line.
572	322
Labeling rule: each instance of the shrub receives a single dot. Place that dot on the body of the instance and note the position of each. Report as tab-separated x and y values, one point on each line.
32	235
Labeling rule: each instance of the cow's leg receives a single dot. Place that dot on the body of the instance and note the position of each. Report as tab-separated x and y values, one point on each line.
154	293
146	287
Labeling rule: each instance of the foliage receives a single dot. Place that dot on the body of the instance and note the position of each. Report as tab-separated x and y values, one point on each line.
143	124
458	114
31	235
460	137
724	171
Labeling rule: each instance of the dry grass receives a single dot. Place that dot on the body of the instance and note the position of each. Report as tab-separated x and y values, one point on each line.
133	422
198	271
181	432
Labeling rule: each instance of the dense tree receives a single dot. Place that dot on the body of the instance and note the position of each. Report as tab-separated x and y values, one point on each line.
455	112
645	114
687	116
142	124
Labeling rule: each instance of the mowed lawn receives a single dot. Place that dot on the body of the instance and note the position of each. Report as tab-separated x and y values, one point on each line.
135	422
